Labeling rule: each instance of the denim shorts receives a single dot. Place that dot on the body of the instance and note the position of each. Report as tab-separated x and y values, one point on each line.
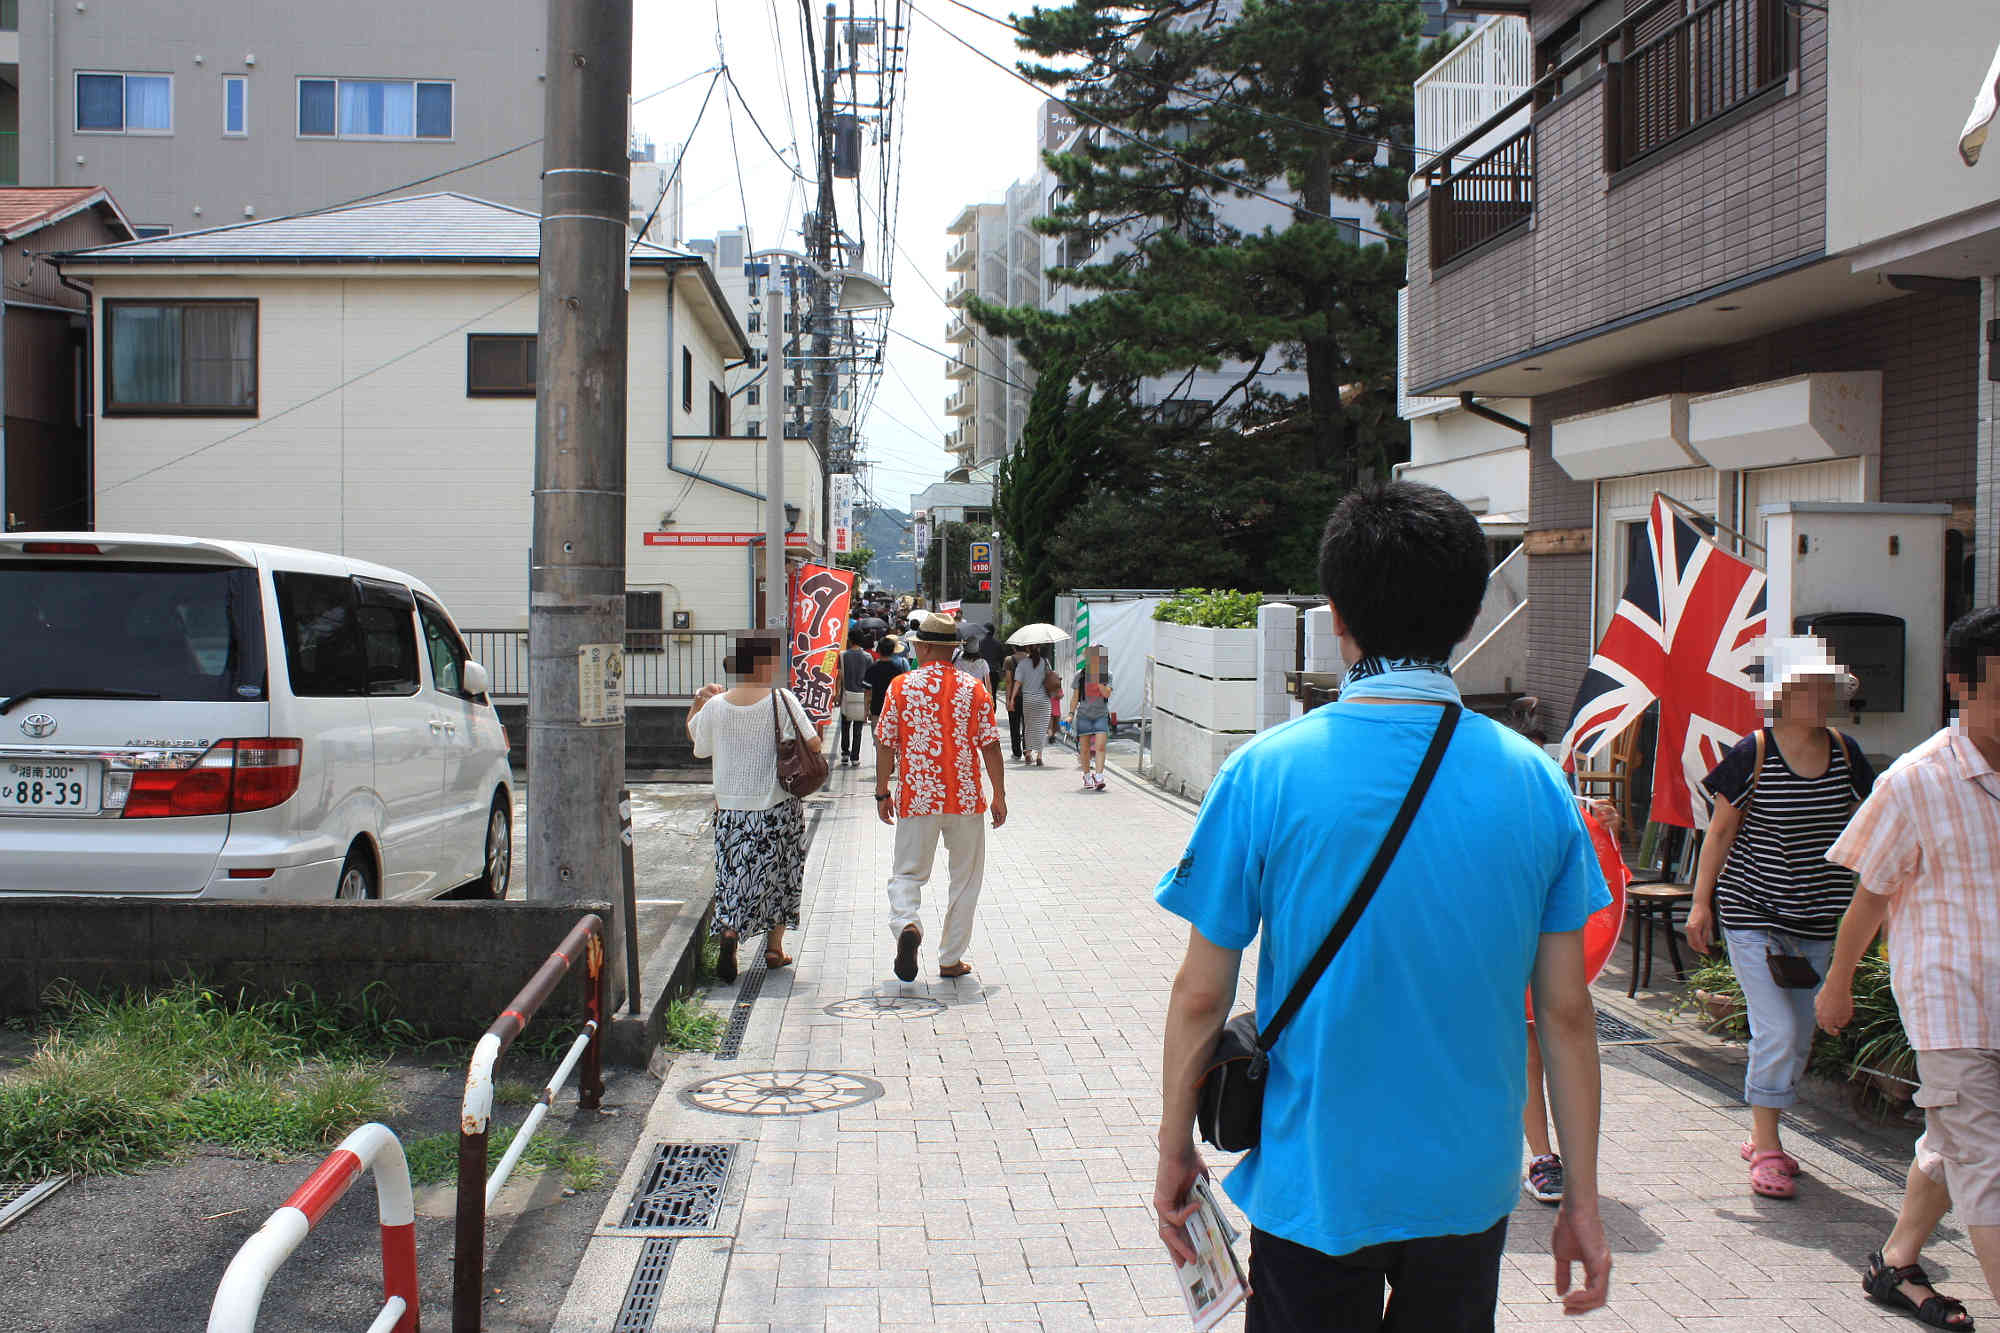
1091	726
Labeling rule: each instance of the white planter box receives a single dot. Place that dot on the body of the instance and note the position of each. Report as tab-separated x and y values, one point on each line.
1217	705
1186	757
1220	654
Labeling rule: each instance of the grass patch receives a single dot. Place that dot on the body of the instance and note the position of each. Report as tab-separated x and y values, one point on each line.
690	1026
115	1084
434	1159
707	961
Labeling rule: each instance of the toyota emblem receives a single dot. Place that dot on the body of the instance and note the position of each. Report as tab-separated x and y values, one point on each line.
38	725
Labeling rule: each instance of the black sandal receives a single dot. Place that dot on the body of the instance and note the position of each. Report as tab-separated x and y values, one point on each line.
1884	1287
725	963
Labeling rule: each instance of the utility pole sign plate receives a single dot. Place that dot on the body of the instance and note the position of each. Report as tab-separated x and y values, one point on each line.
600	684
982	557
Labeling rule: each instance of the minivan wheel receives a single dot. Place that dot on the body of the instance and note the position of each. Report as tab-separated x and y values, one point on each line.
357	878
498	859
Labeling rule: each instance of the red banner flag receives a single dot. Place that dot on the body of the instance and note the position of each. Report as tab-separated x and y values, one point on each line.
820	609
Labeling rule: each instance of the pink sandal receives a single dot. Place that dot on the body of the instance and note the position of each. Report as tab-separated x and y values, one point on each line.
1768	1176
1787	1163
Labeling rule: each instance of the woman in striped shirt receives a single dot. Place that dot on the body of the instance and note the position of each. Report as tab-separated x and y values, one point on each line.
1782	796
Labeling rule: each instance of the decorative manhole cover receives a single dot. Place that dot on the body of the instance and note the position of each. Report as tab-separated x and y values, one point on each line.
885	1006
682	1189
782	1092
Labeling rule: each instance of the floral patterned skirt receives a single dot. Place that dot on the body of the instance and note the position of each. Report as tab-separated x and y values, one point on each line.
760	868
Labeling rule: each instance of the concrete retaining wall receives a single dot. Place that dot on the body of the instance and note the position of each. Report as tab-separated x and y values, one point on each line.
655	736
449	968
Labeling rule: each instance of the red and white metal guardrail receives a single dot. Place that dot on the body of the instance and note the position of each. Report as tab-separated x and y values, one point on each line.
372	1148
476	1191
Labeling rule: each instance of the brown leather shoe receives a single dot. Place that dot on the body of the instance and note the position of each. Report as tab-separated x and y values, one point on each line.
906	953
950	970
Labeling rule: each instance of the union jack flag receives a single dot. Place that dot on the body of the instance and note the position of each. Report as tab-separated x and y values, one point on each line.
1686	634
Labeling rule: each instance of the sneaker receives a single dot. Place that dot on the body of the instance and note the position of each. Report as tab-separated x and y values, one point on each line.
1545	1179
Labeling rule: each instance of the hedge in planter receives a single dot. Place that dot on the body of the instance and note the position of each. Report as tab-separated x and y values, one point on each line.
1210	608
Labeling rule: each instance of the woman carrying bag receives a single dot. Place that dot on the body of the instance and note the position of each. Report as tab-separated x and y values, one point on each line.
1765	888
760	830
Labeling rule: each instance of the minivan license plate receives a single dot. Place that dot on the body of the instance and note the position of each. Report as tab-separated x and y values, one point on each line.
69	787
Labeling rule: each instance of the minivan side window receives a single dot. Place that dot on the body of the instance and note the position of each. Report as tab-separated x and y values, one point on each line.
346	636
447	653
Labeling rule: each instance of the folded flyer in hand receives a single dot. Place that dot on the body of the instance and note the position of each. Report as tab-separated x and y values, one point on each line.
1213	1284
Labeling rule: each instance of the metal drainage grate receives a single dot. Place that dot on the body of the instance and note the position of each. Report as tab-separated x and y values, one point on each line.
682	1189
1615	1031
752	984
17	1197
649	1284
885	1006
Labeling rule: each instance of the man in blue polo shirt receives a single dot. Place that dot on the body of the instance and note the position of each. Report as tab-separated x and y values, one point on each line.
1391	1142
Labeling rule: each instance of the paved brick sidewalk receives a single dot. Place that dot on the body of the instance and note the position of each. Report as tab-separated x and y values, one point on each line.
1001	1179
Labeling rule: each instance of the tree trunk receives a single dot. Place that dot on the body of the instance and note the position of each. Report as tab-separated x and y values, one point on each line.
1329	422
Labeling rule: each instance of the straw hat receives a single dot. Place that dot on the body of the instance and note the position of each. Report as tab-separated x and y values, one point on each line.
1798	657
935	628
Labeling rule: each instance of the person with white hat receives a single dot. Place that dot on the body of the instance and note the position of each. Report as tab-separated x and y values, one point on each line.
934	733
1764	885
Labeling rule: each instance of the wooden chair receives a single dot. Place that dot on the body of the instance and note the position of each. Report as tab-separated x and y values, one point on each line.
1616	776
1647	905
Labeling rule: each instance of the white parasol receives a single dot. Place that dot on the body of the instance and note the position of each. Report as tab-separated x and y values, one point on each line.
1984	108
1039	632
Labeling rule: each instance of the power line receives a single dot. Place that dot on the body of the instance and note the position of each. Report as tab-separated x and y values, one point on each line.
667	186
775	152
953	356
1237	186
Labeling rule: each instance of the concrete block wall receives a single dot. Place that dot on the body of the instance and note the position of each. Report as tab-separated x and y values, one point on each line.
655	737
449	968
1322	644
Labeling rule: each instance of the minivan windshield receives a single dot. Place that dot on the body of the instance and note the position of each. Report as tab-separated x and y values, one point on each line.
130	629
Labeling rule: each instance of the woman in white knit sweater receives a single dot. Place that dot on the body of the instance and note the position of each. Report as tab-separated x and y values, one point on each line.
760	830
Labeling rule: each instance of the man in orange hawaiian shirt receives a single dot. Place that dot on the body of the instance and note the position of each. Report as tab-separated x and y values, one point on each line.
935	730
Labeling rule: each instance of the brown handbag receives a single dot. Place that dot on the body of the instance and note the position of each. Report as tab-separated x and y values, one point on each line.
801	769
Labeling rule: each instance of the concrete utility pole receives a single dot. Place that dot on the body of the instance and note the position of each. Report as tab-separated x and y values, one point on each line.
777	303
825	377
577	567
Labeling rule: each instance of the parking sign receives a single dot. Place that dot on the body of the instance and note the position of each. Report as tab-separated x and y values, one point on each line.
982	557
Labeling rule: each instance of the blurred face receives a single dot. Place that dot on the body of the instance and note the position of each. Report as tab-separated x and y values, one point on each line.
1979	704
1806	702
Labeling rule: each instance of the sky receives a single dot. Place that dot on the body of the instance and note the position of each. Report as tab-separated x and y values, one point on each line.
967	129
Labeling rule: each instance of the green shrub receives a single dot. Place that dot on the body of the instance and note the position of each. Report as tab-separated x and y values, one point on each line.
1215	608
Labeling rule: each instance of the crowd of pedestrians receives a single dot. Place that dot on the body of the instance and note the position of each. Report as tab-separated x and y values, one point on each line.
1395	1106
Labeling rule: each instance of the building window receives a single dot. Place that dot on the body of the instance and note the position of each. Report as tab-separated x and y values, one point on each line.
751	395
180	358
144	230
499	365
753	429
645	618
756	323
718	411
125	103
235	106
1348	229
687	380
374	109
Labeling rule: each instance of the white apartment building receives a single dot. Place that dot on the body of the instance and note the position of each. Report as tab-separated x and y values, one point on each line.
995	255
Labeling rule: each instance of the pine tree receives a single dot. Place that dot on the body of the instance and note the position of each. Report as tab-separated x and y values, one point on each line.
1303	92
1067	446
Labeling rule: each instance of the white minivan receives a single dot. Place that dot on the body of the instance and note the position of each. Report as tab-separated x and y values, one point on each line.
187	718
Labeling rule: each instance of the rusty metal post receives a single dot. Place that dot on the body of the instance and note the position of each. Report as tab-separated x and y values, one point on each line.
590	1079
468	1271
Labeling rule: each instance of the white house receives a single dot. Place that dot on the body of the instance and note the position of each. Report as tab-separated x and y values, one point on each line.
362	381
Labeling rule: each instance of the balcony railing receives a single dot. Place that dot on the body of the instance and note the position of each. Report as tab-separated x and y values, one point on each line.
958	330
958	368
959	438
1491	68
960	404
960	288
964	251
1481	201
1679	73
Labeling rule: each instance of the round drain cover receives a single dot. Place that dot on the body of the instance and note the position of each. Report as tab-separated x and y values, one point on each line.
781	1092
885	1006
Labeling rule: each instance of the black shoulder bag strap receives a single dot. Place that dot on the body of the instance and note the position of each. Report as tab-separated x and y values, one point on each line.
1385	855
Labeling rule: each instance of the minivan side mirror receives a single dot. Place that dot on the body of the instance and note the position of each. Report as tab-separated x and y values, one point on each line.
474	676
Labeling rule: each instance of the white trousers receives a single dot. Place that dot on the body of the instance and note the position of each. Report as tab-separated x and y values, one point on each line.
916	849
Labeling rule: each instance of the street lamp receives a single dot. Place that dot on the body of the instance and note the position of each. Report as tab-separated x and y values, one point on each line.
852	290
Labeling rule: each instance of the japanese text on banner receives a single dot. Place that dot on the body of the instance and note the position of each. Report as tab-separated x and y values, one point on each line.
820	602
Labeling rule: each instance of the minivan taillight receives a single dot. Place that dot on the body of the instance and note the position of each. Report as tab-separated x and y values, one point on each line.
61	548
231	777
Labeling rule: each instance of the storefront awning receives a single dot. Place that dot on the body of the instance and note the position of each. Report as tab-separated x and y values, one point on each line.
1647	436
1799	420
1984	108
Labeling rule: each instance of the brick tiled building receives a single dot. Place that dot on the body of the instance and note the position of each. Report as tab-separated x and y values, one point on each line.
1675	245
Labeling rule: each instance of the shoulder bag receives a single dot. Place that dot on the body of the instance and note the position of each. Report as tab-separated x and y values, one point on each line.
801	771
1229	1106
